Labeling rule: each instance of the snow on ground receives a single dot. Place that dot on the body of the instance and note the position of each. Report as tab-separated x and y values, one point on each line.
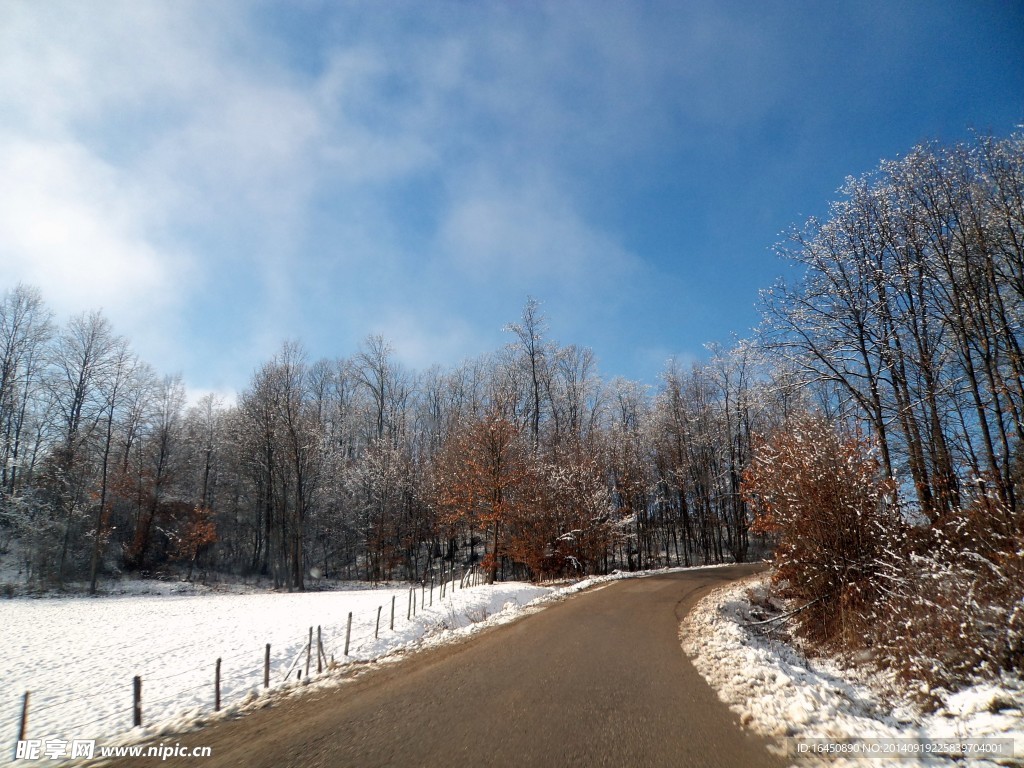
78	655
780	694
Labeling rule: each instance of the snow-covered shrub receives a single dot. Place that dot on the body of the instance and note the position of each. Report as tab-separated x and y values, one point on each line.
821	494
955	610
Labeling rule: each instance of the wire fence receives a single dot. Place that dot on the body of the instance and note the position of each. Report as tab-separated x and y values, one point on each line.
247	674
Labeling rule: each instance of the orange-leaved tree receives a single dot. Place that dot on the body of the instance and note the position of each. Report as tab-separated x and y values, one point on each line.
567	527
195	534
822	493
480	478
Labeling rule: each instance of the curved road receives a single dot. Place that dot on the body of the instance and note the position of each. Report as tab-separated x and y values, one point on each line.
599	679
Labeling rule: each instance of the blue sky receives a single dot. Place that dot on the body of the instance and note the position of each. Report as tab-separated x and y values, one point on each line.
220	177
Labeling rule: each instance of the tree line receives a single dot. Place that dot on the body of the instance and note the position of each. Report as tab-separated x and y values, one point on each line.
523	462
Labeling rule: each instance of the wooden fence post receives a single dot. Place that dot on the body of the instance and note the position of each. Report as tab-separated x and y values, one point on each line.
393	612
376	632
319	650
216	688
348	632
309	650
23	728
137	701
266	667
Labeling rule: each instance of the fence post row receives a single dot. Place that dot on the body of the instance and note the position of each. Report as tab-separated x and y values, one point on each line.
321	655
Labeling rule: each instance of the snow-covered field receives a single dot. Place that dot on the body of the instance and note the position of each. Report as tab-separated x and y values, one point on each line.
78	655
780	694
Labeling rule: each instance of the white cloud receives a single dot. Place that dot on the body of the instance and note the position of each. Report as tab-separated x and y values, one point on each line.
220	398
75	227
69	65
133	139
369	142
425	338
530	235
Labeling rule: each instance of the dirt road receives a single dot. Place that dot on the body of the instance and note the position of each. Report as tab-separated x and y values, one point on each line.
597	680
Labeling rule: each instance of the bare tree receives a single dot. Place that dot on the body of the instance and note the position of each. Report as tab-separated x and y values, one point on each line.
121	376
534	353
25	330
83	360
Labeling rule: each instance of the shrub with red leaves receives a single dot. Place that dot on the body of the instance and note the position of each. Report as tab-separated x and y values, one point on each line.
822	495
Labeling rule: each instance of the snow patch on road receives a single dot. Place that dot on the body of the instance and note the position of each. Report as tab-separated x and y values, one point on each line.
779	693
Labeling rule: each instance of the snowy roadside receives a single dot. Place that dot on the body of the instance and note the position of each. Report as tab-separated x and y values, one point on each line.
780	694
77	655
